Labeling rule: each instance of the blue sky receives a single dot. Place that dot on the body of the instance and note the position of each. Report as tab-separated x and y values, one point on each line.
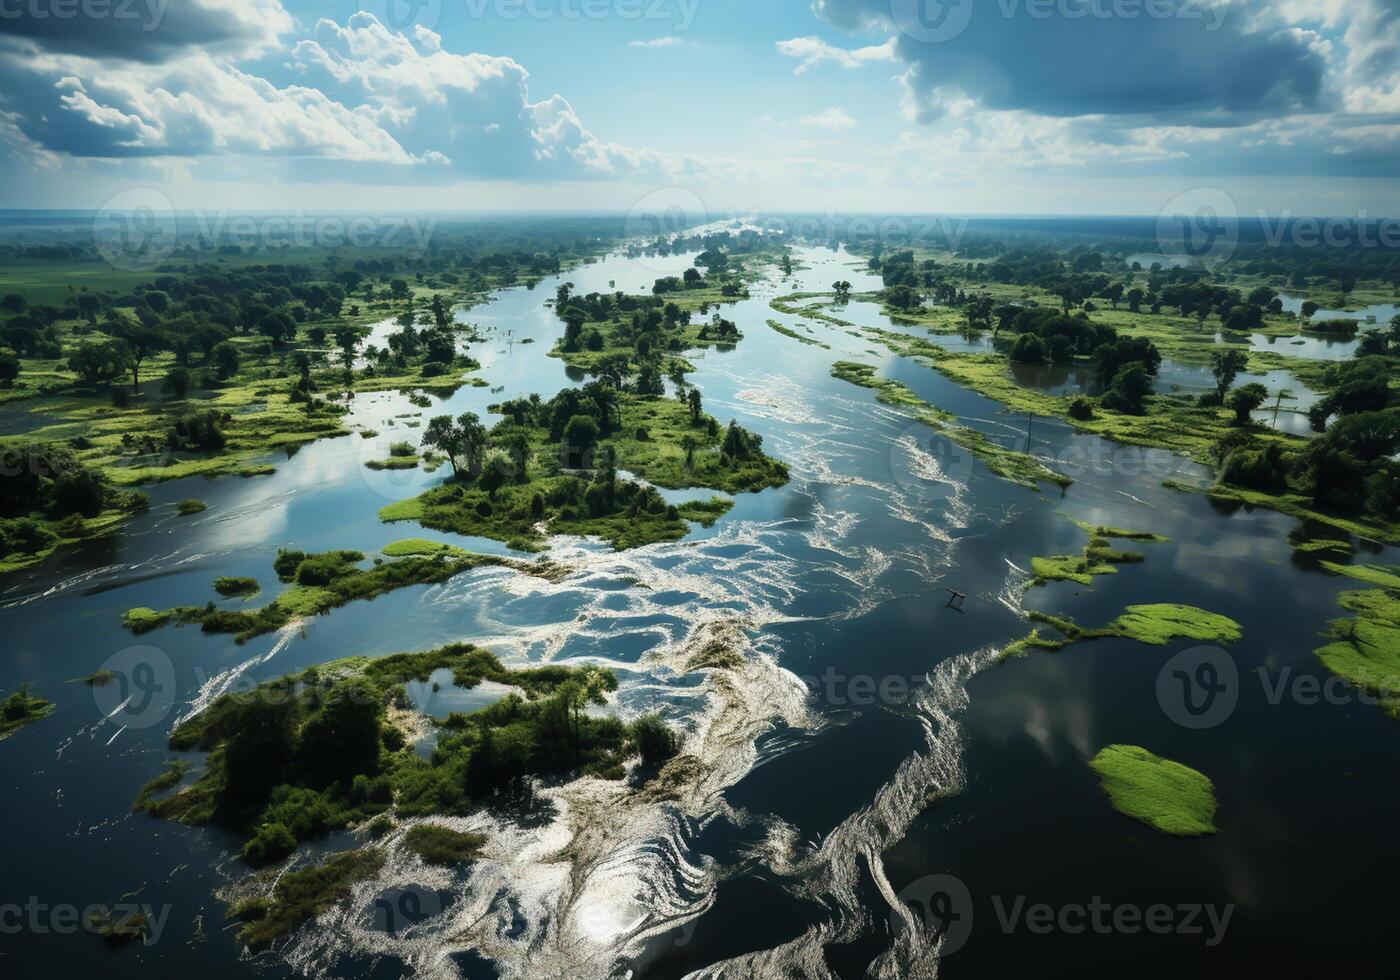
963	106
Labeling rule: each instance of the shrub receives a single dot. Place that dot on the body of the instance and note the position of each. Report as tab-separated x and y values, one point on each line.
654	739
1081	409
272	842
440	845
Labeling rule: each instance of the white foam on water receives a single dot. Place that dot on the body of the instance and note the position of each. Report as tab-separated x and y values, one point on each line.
223	681
832	873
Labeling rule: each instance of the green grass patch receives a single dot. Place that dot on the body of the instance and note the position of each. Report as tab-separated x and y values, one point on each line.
1365	650
1385	576
393	463
300	896
1155	624
442	845
175	771
1163	794
188	508
800	338
1160	623
705	512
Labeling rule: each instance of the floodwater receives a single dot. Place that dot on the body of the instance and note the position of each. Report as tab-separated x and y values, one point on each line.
866	766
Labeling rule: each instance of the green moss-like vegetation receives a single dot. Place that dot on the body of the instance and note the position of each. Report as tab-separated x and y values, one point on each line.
1163	794
321	582
1011	465
705	512
1156	625
100	678
300	896
1365	650
442	845
1160	623
1258	466
236	587
188	508
788	332
1385	576
1099	557
21	708
143	620
393	463
175	771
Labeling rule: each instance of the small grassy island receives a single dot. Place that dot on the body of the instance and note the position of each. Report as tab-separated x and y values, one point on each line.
319	583
333	747
556	467
21	708
240	588
1365	649
1165	795
1099	557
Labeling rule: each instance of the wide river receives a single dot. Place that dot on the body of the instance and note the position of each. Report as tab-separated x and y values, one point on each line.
867	770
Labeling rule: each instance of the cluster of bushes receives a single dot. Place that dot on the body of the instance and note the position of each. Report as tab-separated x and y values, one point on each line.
1350	467
46	492
315	752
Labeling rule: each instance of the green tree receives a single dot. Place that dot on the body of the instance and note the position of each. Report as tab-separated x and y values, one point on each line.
1128	393
581	433
177	383
1245	399
226	360
1226	366
100	362
142	341
9	367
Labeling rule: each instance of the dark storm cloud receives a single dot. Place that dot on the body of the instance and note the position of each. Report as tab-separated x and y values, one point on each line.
1080	57
141	30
